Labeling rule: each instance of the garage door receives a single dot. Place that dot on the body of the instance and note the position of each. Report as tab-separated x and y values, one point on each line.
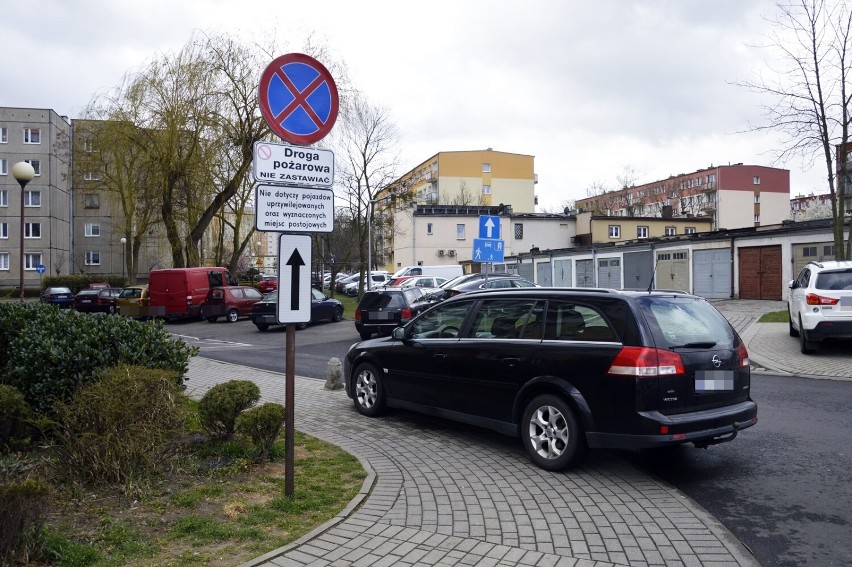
543	275
609	273
562	273
638	269
672	270
711	273
585	273
760	272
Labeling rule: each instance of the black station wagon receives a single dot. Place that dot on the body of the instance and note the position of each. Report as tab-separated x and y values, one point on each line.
565	369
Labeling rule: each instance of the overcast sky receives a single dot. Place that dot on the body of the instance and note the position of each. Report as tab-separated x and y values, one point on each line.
588	88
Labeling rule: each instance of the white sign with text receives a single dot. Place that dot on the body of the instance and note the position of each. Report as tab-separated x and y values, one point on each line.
293	209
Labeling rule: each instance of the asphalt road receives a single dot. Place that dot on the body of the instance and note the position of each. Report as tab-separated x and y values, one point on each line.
783	487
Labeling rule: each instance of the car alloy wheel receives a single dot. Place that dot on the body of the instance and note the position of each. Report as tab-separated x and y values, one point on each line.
369	391
551	433
338	314
232	315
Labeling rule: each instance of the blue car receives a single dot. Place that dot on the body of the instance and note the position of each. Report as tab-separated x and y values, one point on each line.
59	296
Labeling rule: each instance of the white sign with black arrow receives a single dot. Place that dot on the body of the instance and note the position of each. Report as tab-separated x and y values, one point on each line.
294	278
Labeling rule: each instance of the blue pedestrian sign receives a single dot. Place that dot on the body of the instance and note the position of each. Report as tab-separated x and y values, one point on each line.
40	269
298	98
489	227
487	250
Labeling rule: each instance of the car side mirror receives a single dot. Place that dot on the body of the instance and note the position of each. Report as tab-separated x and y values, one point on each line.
398	334
792	284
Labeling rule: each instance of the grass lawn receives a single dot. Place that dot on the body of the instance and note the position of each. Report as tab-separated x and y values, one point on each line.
775	317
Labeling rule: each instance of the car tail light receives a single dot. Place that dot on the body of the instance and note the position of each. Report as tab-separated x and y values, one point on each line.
814	299
742	355
357	314
646	362
406	313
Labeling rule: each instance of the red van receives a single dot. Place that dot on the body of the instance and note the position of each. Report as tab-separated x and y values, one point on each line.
179	292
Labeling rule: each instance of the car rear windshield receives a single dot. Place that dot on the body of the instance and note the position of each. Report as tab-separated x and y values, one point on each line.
688	322
834	280
383	300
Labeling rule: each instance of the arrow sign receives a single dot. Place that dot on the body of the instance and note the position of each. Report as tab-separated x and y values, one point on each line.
295	262
489	227
294	278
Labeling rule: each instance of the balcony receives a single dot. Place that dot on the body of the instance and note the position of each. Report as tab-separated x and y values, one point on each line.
708	187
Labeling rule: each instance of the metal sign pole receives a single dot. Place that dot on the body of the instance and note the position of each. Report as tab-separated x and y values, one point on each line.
289	389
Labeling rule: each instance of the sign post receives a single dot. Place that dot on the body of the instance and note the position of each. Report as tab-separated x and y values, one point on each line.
298	99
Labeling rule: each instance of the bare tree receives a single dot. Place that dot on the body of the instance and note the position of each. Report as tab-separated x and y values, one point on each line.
811	95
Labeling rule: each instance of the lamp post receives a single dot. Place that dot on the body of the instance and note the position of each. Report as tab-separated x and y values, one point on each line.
123	254
370	242
23	173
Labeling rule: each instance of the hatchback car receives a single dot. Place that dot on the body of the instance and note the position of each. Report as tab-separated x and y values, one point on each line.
233	302
264	312
59	296
820	304
102	300
475	282
133	301
377	279
383	309
267	284
565	369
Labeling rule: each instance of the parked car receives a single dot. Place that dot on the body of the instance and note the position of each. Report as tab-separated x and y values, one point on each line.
820	304
378	279
343	282
98	285
102	300
383	309
264	315
326	280
565	369
59	296
179	292
267	284
475	282
231	302
423	281
446	271
133	301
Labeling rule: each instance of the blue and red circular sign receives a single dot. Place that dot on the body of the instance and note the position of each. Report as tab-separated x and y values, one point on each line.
298	98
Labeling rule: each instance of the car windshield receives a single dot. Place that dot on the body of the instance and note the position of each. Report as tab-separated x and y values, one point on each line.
271	296
383	300
834	281
686	321
131	292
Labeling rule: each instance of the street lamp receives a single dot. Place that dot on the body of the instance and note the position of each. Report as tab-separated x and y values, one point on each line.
24	173
370	242
123	254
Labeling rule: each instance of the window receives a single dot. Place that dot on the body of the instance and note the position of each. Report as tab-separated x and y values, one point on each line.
689	230
36	165
91	176
428	228
757	180
757	198
93	258
32	230
32	198
4	198
756	218
486	189
641	232
4	167
4	260
459	232
4	137
809	251
614	231
31	261
4	230
519	231
486	168
92	201
32	135
828	250
671	231
87	145
93	229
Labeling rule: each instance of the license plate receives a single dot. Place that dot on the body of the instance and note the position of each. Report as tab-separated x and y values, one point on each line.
714	381
85	301
846	303
381	315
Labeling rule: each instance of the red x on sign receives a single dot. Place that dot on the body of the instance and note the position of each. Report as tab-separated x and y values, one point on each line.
298	98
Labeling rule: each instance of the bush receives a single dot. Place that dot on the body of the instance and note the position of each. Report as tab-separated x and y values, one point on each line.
49	353
220	406
120	427
22	506
14	414
262	425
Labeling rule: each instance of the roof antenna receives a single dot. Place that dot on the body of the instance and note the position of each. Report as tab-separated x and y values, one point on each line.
653	276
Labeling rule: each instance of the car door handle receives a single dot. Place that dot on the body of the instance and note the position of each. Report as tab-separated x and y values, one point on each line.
440	355
511	361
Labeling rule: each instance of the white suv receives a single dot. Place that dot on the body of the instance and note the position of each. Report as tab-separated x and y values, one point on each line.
820	303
